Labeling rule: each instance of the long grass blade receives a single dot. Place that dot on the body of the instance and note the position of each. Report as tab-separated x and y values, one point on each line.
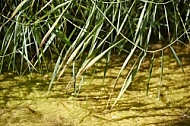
167	24
93	61
55	70
133	71
161	73
15	12
177	59
150	73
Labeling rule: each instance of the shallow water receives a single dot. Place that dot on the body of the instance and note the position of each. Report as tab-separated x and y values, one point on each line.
24	101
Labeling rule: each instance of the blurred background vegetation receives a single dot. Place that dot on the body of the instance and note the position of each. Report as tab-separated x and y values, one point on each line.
36	32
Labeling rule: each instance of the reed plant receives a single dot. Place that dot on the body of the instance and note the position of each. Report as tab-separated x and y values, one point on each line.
84	31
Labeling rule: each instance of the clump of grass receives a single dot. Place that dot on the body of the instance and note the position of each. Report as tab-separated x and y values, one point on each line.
86	31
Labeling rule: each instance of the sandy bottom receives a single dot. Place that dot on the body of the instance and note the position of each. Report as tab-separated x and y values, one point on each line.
24	101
